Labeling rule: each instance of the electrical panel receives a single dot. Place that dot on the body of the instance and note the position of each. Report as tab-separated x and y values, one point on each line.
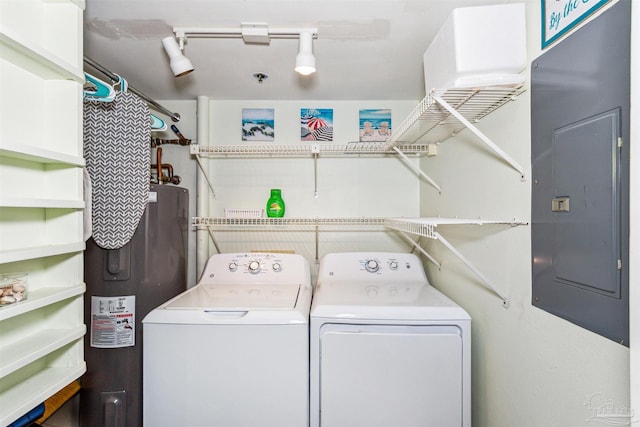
580	170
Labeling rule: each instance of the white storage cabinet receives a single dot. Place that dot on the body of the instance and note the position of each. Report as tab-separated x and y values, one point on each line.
41	199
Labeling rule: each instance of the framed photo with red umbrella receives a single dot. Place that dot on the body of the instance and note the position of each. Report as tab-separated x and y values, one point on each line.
316	124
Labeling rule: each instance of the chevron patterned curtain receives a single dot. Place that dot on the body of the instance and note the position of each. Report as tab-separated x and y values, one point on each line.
117	154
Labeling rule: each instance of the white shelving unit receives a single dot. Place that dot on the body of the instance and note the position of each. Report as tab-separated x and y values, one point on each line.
41	204
439	116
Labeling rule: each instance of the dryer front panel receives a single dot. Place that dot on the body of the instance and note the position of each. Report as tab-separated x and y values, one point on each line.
382	375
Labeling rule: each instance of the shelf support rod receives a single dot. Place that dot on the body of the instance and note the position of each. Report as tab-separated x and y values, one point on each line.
204	173
317	235
470	266
416	168
315	150
420	249
480	135
213	240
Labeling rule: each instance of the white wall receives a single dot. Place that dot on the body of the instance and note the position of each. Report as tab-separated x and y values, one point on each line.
530	368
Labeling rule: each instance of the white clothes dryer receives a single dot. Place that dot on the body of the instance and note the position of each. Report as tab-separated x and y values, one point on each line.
387	349
233	350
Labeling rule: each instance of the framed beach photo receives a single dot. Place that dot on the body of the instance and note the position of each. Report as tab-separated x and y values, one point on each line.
316	124
375	125
258	124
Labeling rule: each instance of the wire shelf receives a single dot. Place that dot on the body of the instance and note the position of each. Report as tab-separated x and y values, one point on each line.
418	226
305	150
202	222
472	104
426	227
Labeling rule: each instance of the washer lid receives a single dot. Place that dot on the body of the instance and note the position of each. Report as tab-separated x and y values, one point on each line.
237	297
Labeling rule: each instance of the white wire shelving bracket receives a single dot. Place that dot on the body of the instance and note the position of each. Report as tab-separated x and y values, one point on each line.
417	169
426	227
459	108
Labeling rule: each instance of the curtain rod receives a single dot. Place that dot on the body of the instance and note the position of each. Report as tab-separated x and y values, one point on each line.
174	116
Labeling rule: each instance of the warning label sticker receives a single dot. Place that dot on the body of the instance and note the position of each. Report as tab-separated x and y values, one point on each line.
113	321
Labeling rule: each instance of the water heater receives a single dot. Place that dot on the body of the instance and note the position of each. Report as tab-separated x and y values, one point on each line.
123	286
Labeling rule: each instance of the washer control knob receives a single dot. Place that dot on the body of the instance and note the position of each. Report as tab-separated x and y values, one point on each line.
233	266
371	265
393	265
254	267
276	266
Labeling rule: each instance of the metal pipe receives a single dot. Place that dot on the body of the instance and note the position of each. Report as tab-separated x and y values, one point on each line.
159	165
174	116
202	192
235	32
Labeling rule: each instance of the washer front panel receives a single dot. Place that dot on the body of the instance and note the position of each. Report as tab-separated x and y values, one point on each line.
225	375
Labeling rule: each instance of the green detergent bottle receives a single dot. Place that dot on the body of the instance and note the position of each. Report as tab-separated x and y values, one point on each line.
275	204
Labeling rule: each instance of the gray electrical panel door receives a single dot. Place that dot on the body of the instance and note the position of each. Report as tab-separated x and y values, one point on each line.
580	166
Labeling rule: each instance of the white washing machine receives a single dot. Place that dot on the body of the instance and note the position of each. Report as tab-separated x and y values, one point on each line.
233	350
387	349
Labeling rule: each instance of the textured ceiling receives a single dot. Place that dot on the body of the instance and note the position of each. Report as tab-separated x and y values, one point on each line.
364	50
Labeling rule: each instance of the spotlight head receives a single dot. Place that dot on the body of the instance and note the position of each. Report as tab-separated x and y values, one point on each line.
180	64
305	61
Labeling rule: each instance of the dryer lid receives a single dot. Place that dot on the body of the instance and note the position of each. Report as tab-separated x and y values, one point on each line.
238	297
390	301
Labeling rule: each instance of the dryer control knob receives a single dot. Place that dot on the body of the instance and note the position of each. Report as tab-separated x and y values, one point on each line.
254	267
233	266
393	265
371	266
276	266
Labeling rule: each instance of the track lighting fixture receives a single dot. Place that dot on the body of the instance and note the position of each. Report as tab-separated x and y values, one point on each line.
305	61
180	64
251	33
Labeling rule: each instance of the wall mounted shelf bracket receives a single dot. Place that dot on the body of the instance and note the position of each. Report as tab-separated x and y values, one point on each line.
480	135
426	227
416	168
